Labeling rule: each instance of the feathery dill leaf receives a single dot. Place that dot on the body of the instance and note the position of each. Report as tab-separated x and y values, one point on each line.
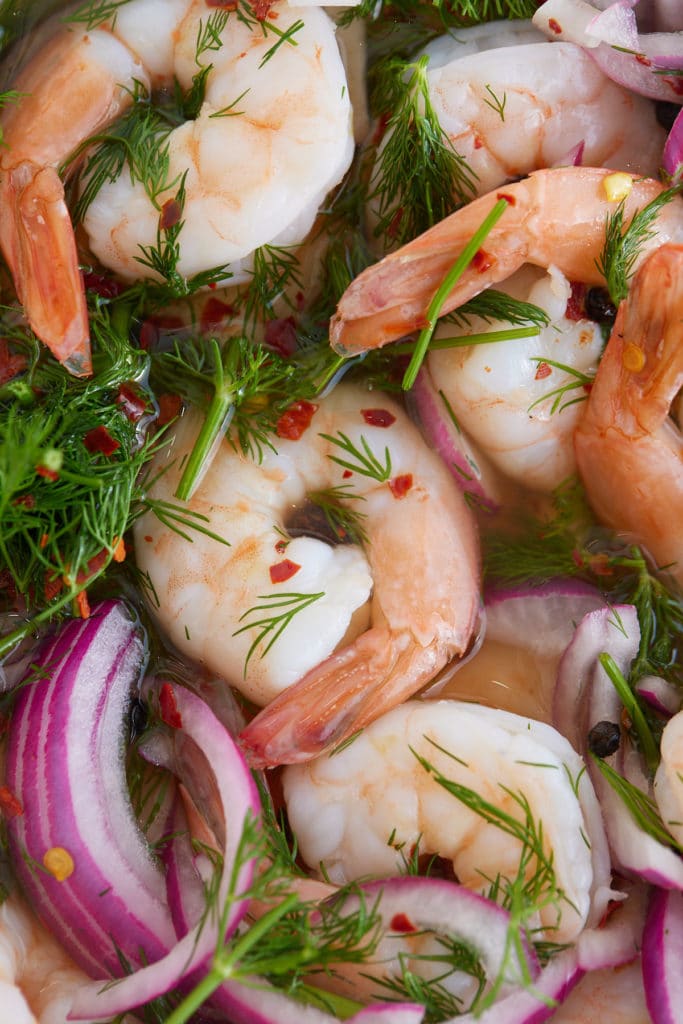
492	304
642	808
419	177
624	244
93	13
442	14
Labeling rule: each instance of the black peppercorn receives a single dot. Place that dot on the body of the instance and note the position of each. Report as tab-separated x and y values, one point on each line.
604	739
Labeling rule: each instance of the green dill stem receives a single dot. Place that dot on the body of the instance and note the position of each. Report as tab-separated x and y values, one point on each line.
630	702
10	640
465	340
216	419
225	960
445	288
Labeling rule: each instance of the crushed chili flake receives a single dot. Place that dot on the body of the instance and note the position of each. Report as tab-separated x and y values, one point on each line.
263	9
168	708
346	474
280	335
543	371
576	303
83	605
148	538
131	403
99	441
227	5
25	501
53	586
171	212
400	485
119	554
378	417
296	420
47	474
105	287
508	197
156	327
9	803
215	314
281	546
554	26
478	142
282	571
169	408
43	541
10	363
642	59
675	84
59	863
482	261
402	923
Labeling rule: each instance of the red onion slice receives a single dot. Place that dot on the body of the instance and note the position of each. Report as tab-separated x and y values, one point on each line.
200	734
662	957
65	765
672	157
660	694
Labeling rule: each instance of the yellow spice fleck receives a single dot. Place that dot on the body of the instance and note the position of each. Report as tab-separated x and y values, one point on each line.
59	863
617	186
633	358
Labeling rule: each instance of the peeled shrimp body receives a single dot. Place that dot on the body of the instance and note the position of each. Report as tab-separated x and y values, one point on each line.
333	669
629	451
353	813
554	217
273	135
511	102
503	394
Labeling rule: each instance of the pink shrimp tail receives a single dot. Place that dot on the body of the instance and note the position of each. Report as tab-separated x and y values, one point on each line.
37	239
343	694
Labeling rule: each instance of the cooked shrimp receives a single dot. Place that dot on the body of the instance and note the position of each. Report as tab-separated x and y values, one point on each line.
512	102
503	394
629	451
365	630
284	108
554	217
358	812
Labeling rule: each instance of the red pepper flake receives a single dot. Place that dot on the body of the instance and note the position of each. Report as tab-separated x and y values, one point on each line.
10	362
400	485
105	287
48	474
131	403
83	605
10	804
402	923
262	9
554	26
395	223
296	420
280	335
215	314
171	212
576	303
43	541
675	84
25	501
543	371
482	261
227	5
508	197
378	417
53	586
169	408
346	474
478	142
282	571
119	554
155	328
281	546
168	707
642	59
99	441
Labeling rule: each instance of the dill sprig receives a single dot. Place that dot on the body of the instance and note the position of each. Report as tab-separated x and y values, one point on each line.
275	269
642	808
241	388
270	619
93	13
344	522
492	304
646	740
441	14
564	395
360	459
623	245
419	178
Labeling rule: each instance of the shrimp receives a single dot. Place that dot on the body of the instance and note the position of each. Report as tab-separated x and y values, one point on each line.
512	102
554	217
629	451
504	394
277	100
361	811
363	631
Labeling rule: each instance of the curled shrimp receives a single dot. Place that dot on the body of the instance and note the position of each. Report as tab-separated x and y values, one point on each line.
554	217
375	804
512	102
363	629
629	450
279	101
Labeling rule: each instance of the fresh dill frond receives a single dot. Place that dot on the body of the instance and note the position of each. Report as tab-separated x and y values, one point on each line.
360	459
270	619
275	269
419	177
492	304
623	244
441	15
642	808
94	13
209	34
565	394
344	522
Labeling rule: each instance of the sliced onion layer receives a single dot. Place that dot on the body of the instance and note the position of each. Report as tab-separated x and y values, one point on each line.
662	957
65	765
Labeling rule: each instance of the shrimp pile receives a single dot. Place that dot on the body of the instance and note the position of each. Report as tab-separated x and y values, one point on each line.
294	122
332	569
